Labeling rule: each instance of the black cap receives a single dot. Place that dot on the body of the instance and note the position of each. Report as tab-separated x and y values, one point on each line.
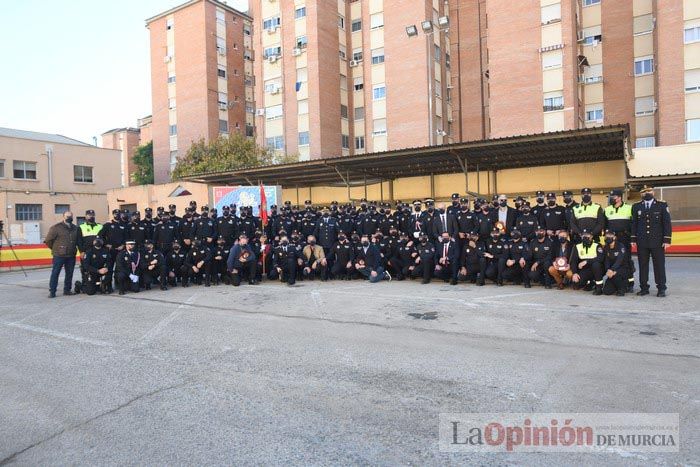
125	211
464	200
288	203
539	193
135	213
90	212
274	206
551	194
148	241
608	231
225	208
585	191
307	202
115	211
160	209
193	203
616	193
567	193
455	195
148	210
205	208
172	206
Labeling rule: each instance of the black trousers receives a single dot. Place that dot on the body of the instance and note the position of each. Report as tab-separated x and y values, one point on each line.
245	270
179	274
472	274
205	271
220	271
540	273
395	266
658	256
592	272
95	283
618	283
424	269
340	270
157	273
319	271
125	284
289	272
449	272
517	274
492	268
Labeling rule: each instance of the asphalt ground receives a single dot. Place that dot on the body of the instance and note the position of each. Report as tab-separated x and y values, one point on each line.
332	373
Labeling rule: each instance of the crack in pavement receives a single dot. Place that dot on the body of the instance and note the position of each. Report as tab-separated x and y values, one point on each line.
12	457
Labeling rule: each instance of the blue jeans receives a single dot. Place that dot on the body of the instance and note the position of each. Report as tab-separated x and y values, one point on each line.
58	264
367	272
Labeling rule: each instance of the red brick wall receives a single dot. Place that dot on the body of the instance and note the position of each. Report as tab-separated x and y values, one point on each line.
670	66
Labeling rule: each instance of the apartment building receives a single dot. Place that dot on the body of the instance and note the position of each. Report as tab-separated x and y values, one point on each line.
43	175
127	140
549	65
336	77
201	78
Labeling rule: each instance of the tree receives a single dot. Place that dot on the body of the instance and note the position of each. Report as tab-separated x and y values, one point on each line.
222	154
143	160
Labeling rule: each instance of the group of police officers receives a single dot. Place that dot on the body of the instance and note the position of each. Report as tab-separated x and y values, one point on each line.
580	244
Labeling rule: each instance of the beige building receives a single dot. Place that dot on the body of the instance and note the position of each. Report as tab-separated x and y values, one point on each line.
551	65
201	78
344	77
127	140
138	198
43	175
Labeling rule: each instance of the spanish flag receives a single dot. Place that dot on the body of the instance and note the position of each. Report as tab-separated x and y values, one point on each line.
263	206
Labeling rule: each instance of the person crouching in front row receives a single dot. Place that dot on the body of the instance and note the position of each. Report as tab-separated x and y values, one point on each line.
242	262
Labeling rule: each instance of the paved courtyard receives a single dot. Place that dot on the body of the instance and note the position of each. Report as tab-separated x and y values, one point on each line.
332	373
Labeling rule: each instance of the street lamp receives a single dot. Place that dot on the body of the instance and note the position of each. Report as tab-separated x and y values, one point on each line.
427	26
411	30
443	22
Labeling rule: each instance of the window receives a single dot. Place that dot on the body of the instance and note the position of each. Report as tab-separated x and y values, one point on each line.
171	103
438	88
691	34
220	16
359	113
551	13
645	142
378	56
223	98
356	25
249	130
644	106
594	74
300	12
590	2
173	159
304	138
169	24
345	141
343	82
220	44
272	85
82	173
171	77
247	30
447	60
642	24
379	92
247	55
357	54
24	170
436	52
359	142
273	112
302	76
343	111
275	142
173	130
594	113
272	51
303	107
341	22
692	80
552	59
592	35
692	130
342	52
2	168
359	83
272	23
221	72
379	126
61	208
302	42
223	126
376	21
28	212
553	103
643	66
170	50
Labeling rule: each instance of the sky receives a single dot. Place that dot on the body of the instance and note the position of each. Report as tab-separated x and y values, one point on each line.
77	68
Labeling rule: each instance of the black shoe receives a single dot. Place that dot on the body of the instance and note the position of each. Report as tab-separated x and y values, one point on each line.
425	281
121	292
163	287
630	287
207	284
527	285
598	290
548	286
588	287
68	292
620	293
52	294
480	283
148	287
499	283
661	293
643	292
453	282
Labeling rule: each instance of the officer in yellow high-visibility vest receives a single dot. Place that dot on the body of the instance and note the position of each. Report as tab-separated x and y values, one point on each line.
587	264
618	219
88	231
587	216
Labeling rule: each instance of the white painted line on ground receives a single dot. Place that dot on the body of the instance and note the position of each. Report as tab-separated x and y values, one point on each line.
58	334
508	295
316	296
163	323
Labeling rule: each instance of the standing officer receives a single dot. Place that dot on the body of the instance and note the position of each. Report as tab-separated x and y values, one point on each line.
651	232
89	230
553	218
618	216
588	216
326	232
227	228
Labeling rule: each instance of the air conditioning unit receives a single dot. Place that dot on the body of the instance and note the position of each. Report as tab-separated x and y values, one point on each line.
272	30
579	36
222	50
272	58
354	63
581	79
450	120
168	58
276	90
223	105
296	52
260	112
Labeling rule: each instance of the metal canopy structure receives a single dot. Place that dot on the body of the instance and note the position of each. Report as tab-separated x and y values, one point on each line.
564	147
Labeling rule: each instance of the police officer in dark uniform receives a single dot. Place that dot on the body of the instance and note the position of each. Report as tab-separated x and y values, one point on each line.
172	209
470	257
615	265
98	269
454	208
154	267
540	205
219	257
227	227
166	233
527	223
493	259
137	230
128	264
587	264
651	232
425	260
553	217
285	261
541	258
518	259
198	263
149	222
175	263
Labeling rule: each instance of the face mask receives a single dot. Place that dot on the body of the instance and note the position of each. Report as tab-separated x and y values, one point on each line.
587	242
424	240
465	208
562	240
116	217
148	216
150	247
540	235
90	219
431	209
296	239
568	200
551	203
312	242
526	211
69	220
586	198
365	243
227	213
503	203
455	203
417	208
284	242
342	238
172	212
444	240
540	200
98	244
124	218
441	211
648	196
609	240
485	209
326	215
516	236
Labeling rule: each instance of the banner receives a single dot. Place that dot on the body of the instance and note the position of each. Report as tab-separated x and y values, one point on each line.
245	196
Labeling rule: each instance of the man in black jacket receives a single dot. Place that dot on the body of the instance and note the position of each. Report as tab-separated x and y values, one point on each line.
154	267
343	256
285	261
616	266
98	269
176	269
128	268
447	258
368	261
198	264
